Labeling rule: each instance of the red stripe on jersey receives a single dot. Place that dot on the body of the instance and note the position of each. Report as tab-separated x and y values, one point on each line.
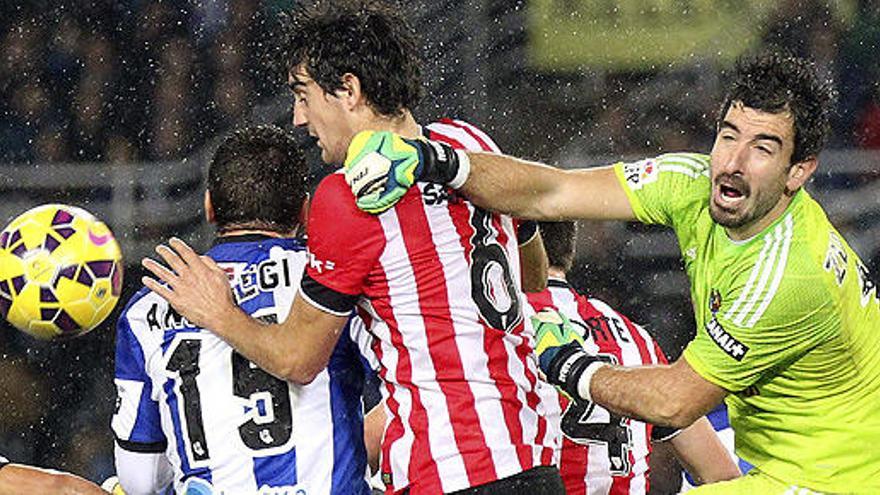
573	468
486	146
440	334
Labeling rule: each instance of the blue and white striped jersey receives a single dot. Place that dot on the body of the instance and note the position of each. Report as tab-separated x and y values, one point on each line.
222	422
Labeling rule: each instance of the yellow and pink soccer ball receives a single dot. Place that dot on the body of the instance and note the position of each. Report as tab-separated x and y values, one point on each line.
60	272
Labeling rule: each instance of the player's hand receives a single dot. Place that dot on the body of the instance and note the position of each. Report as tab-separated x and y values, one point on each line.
194	285
553	329
112	485
561	354
380	167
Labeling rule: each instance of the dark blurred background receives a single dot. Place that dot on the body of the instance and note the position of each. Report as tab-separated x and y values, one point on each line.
115	106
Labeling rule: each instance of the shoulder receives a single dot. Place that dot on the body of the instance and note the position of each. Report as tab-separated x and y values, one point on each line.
692	166
462	135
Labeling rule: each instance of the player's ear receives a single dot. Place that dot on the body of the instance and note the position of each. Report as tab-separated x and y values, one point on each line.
799	173
350	93
209	207
304	214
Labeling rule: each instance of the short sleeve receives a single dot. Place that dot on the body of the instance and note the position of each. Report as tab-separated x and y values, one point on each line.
135	422
344	243
751	341
663	190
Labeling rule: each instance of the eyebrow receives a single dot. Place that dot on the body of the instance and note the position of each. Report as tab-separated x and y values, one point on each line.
759	137
296	85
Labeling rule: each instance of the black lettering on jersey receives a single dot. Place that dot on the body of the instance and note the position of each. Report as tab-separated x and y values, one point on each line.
836	258
268	277
170	319
619	329
152	321
265	276
605	329
173	319
435	194
867	285
732	347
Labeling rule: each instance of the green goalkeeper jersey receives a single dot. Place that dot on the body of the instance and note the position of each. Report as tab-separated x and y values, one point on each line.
788	322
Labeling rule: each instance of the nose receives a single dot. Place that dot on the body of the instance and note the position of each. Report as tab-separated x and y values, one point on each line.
735	161
299	116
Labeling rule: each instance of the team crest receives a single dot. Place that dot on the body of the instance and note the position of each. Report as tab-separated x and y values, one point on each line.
714	301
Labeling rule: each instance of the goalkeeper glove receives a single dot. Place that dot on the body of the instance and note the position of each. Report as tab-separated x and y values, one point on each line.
380	167
561	354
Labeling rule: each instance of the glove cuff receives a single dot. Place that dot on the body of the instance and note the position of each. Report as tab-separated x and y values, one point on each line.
583	383
443	164
464	170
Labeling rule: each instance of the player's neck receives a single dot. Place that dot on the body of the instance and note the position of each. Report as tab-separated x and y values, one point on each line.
404	124
553	272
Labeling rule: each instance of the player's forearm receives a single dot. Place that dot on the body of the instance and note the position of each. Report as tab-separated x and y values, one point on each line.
700	450
532	190
266	345
647	393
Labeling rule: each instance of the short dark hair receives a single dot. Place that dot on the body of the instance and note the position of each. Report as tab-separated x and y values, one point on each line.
559	242
776	81
368	38
257	179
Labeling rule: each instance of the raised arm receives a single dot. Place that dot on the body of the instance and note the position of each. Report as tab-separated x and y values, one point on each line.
381	167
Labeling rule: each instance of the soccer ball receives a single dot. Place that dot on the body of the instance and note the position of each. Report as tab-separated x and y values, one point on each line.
60	272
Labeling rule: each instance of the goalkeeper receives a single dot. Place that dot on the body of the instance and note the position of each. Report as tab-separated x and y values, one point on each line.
788	320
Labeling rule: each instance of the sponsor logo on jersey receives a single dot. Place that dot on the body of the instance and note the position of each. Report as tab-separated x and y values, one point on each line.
640	173
728	343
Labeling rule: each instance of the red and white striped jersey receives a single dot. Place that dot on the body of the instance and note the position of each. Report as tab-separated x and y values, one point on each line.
439	286
603	453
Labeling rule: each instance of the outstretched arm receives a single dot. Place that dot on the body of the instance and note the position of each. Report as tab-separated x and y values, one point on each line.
381	167
296	349
532	190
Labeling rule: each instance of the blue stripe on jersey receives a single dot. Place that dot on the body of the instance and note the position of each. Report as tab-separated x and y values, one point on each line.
276	470
130	366
346	387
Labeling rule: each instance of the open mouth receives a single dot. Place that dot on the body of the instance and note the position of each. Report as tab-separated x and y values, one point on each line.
729	193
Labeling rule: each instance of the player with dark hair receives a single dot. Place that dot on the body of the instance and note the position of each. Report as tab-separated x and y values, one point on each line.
788	317
17	478
194	412
603	452
437	278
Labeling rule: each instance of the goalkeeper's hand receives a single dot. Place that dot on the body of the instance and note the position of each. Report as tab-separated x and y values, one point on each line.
561	353
380	167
